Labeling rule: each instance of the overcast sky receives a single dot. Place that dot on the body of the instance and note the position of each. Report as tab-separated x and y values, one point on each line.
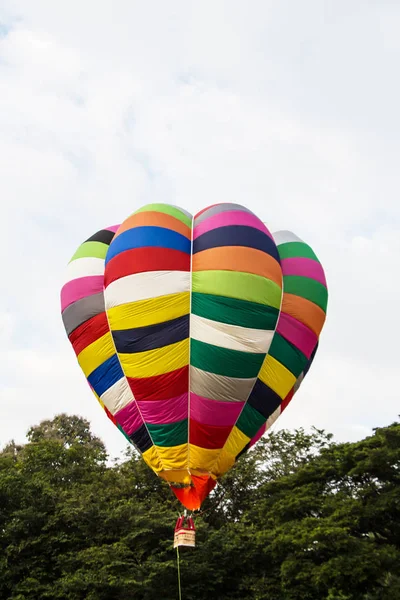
291	108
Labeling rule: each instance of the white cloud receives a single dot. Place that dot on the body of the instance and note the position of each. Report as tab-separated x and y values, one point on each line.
290	109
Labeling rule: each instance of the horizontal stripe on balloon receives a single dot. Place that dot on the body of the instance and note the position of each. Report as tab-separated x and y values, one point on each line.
236	258
230	336
304	267
242	286
141	339
236	235
304	311
145	286
129	417
222	361
113	228
91	250
168	209
80	288
220	387
141	439
214	412
105	375
82	310
276	376
149	312
174	458
297	334
264	399
288	354
84	267
104	236
117	396
98	352
307	288
158	387
89	332
230	217
140	260
172	434
156	362
157	219
208	436
202	458
237	440
159	412
141	237
234	311
248	423
296	250
216	209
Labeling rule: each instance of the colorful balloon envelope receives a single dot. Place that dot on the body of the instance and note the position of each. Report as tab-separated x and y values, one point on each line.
194	333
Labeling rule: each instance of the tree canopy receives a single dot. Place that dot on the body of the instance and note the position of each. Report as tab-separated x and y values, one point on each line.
300	517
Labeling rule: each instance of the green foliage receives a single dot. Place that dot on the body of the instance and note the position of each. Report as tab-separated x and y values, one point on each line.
298	518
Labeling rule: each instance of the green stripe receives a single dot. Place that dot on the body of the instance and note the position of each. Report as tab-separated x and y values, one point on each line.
235	312
91	250
168	210
124	434
250	421
223	361
296	250
234	284
289	356
306	288
170	434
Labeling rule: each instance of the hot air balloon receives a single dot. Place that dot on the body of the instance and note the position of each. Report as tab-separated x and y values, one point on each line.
194	333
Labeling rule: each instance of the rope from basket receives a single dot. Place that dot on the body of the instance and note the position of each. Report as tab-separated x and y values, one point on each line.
179	573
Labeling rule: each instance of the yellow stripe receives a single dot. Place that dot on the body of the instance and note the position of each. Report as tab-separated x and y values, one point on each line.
224	463
174	457
152	459
156	362
176	476
149	312
236	441
94	355
202	458
276	376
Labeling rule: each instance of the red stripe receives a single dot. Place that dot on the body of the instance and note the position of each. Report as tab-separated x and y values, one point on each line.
160	387
286	400
140	260
89	332
211	437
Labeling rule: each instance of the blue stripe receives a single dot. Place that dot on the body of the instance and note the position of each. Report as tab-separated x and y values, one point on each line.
106	375
141	237
236	235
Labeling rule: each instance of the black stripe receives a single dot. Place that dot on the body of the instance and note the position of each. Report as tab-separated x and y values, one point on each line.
236	235
104	236
141	439
140	339
263	399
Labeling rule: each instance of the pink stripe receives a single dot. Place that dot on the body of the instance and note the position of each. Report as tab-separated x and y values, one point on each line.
214	412
161	412
230	217
80	288
306	267
129	418
258	435
297	334
113	228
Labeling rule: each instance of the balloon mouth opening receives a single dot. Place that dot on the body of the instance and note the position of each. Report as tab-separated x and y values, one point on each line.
193	493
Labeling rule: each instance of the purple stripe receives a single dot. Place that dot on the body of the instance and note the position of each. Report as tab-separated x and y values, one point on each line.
129	418
297	334
231	217
214	412
161	412
306	267
80	288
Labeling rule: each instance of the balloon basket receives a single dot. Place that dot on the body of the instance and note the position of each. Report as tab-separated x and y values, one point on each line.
185	533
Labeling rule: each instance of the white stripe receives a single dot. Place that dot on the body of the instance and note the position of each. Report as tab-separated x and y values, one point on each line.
233	337
84	267
117	396
142	286
282	237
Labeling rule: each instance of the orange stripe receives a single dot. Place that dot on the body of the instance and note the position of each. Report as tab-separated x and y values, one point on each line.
238	258
304	311
155	219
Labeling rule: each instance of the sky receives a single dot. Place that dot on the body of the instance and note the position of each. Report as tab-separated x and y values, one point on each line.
290	108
